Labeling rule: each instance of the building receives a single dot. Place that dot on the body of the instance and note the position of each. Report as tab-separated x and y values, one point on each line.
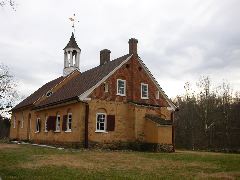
116	104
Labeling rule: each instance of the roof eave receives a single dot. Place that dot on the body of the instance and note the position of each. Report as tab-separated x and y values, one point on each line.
171	104
56	103
84	95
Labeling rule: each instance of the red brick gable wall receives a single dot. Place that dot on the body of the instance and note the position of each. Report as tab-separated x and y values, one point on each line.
134	75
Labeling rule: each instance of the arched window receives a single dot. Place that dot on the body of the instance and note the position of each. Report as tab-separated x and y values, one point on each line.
58	118
38	125
101	120
74	55
69	121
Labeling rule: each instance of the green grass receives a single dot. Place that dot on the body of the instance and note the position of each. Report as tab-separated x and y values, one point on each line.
30	162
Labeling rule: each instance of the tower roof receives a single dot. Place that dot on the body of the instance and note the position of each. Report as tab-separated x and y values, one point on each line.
72	43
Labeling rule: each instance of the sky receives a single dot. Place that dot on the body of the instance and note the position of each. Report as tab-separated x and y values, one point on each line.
179	41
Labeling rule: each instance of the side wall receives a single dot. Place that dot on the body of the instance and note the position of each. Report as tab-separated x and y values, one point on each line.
130	123
78	125
124	123
21	117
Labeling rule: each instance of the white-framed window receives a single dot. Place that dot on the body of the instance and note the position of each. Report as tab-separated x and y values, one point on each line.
49	93
157	94
58	123
37	125
105	85
121	87
101	122
45	124
144	91
14	121
22	121
69	122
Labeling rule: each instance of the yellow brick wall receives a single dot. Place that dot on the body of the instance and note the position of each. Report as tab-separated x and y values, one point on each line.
78	126
165	134
124	124
19	131
151	132
130	124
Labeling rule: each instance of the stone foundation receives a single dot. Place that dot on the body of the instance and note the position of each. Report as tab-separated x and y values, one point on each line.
136	146
115	145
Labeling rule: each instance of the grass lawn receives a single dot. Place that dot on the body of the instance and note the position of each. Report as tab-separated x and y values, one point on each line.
30	162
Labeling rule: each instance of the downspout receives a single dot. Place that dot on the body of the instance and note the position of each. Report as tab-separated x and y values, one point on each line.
86	125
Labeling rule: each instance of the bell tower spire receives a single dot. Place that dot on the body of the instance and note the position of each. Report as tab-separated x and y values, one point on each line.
71	56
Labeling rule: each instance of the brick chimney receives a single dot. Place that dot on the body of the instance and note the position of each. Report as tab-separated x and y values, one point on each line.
104	56
132	46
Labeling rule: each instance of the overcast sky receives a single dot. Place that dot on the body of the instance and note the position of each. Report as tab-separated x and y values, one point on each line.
179	40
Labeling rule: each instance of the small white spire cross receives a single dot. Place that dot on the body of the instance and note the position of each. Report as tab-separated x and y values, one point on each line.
73	20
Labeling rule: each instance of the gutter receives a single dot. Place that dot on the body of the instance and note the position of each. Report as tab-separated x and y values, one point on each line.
55	103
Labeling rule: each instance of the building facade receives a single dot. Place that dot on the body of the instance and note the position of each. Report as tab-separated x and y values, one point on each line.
117	104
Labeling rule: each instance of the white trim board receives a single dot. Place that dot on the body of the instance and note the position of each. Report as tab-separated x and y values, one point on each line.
173	107
88	92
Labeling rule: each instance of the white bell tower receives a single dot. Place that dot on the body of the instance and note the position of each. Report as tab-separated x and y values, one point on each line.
71	56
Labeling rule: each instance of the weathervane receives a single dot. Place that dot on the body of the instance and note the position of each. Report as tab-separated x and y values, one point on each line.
73	20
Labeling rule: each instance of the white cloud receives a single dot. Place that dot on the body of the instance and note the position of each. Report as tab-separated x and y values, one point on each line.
178	40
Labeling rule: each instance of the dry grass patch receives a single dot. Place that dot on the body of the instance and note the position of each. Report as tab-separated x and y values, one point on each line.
8	146
101	161
219	175
26	162
199	153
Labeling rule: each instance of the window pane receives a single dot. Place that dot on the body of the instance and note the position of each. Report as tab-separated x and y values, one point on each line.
121	87
101	126
58	123
144	90
100	122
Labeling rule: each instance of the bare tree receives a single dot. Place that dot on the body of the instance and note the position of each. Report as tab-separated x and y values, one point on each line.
208	119
8	93
10	3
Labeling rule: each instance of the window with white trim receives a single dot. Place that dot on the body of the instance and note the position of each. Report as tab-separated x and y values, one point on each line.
49	93
37	125
58	123
121	87
14	122
101	122
69	122
105	86
157	94
45	124
144	91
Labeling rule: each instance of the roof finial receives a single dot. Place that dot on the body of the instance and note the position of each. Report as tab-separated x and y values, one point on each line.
73	20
